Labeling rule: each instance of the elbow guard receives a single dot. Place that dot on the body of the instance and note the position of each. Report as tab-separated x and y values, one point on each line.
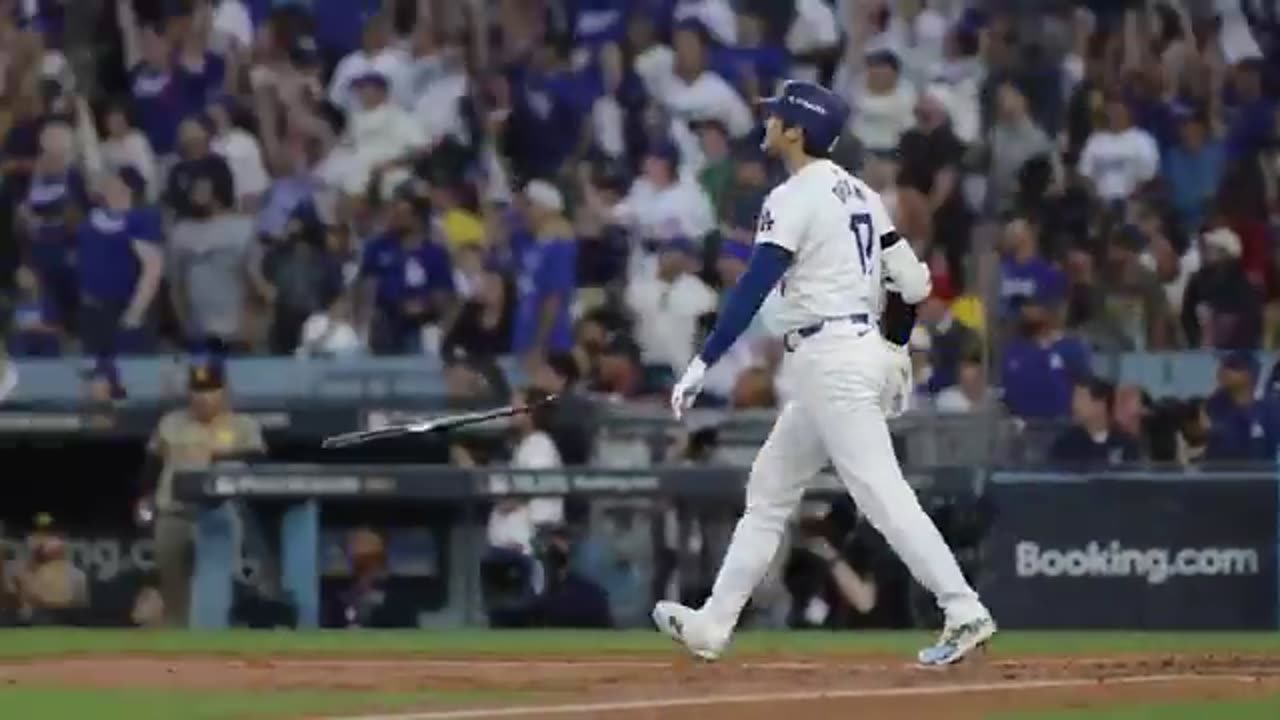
907	275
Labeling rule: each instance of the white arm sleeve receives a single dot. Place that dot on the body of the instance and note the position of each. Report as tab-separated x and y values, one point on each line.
902	269
909	276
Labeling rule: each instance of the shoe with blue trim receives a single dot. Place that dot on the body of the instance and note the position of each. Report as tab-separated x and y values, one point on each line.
957	642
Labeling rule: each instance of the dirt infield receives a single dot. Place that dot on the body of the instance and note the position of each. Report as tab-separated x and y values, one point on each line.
633	687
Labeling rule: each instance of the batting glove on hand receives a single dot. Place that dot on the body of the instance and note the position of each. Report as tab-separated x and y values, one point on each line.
686	391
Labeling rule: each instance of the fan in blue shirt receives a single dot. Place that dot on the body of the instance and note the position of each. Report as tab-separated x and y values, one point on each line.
406	278
120	264
1024	273
1041	367
546	276
1239	425
55	203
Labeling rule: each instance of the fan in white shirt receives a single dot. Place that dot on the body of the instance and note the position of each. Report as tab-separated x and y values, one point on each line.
513	523
662	204
883	101
717	16
813	31
232	27
241	151
376	54
688	90
126	146
970	393
331	333
668	306
1121	157
379	135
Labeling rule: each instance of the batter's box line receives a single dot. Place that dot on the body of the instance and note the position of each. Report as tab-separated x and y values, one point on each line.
816	695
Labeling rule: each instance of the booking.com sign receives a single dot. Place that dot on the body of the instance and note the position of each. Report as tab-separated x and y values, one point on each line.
1114	560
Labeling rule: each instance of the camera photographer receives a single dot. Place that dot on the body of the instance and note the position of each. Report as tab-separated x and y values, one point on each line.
569	599
842	575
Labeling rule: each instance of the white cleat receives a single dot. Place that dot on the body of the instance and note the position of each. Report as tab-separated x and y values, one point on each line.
689	628
957	642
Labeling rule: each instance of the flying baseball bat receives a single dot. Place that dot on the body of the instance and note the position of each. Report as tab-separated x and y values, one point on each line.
419	427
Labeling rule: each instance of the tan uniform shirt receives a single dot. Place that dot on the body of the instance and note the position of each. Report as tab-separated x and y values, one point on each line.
186	444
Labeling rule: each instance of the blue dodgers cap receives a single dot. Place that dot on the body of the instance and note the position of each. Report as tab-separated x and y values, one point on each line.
820	113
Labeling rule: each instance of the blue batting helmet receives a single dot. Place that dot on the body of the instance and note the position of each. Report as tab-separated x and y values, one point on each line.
820	113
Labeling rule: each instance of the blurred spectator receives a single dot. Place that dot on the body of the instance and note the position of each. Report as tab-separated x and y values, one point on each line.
120	264
1130	409
931	209
883	101
56	202
1237	422
380	136
1222	309
841	577
1250	122
1193	432
299	277
484	324
619	372
377	57
950	340
50	588
692	90
1193	169
661	204
970	393
1093	440
331	332
1042	364
406	280
1120	159
546	281
208	243
570	599
572	416
124	146
241	151
1024	272
1134	305
37	328
667	308
1014	139
369	600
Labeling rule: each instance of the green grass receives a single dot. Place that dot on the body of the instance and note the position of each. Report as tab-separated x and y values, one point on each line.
44	643
1265	709
55	704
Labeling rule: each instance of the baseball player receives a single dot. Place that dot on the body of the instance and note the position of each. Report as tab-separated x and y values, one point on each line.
824	239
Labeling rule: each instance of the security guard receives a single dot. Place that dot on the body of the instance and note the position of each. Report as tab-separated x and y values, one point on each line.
190	438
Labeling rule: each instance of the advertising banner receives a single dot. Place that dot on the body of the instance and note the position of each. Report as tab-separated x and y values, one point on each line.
1133	552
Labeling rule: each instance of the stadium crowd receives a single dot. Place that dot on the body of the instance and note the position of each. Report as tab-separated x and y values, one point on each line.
572	183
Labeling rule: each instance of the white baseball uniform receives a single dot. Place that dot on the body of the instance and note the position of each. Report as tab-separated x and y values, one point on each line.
834	225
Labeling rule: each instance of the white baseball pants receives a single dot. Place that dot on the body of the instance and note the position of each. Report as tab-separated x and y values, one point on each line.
836	414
